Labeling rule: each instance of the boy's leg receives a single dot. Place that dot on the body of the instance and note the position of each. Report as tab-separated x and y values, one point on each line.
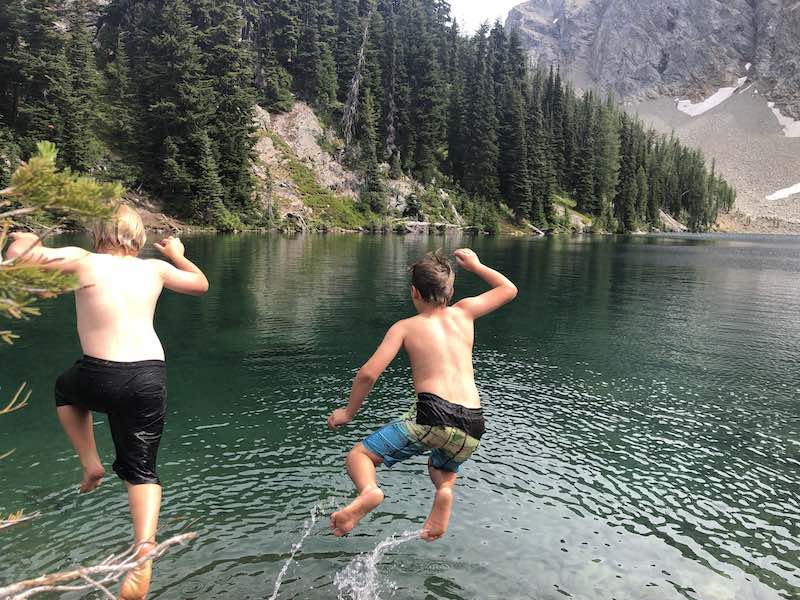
436	524
361	465
145	504
77	423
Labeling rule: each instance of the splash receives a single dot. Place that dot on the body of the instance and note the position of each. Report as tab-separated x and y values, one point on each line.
351	105
316	511
360	580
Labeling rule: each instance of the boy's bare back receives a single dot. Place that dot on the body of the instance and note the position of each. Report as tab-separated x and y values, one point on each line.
117	298
115	306
439	340
439	346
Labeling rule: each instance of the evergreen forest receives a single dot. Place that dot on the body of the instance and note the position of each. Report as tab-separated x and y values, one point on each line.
160	95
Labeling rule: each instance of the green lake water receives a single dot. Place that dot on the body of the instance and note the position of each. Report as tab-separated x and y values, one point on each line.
643	425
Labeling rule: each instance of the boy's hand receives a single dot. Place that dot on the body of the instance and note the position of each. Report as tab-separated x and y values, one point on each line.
170	247
338	418
467	259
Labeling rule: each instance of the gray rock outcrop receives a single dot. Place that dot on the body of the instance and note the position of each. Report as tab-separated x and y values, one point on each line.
648	48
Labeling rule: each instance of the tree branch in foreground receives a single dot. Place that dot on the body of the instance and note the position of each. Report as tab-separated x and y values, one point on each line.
16	518
91	578
18	401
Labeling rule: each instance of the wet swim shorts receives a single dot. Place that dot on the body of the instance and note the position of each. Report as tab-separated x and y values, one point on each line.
450	432
133	395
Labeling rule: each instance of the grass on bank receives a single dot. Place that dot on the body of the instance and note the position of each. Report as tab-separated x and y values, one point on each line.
328	208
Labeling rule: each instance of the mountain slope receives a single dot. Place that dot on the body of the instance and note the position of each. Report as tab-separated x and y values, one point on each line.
705	70
646	47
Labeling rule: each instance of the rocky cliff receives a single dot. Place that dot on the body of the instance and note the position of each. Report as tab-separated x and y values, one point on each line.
640	48
724	75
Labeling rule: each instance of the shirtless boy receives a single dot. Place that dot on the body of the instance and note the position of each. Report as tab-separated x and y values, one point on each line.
122	372
447	420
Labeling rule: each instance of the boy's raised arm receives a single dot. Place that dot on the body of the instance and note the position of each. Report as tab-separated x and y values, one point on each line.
368	375
185	277
28	249
503	290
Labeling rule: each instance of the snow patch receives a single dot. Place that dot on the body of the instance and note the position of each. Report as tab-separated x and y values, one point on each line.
747	66
791	128
722	94
747	88
785	193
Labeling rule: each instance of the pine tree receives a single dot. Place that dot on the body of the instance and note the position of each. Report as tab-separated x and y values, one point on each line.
539	168
456	125
389	72
655	188
515	185
175	92
230	128
625	202
309	55
39	84
555	118
373	194
642	194
349	37
80	147
428	100
481	141
277	32
606	171
207	189
570	128
316	68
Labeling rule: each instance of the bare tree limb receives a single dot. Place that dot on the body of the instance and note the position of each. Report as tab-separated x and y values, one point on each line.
16	403
17	212
96	577
16	518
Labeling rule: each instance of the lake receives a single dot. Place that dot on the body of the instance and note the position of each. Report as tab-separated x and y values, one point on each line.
643	424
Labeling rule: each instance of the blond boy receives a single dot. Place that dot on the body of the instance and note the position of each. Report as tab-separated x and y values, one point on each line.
122	372
447	420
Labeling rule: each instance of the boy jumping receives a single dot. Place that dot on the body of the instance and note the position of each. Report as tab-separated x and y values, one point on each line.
447	419
122	372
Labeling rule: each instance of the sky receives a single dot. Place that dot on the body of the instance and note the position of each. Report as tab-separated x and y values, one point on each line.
471	13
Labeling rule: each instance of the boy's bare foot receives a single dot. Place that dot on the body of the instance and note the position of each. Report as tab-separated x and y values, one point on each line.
436	525
343	521
137	582
92	478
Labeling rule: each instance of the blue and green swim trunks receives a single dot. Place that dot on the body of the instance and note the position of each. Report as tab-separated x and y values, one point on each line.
450	432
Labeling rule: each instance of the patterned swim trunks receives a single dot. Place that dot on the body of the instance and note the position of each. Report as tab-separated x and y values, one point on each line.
450	432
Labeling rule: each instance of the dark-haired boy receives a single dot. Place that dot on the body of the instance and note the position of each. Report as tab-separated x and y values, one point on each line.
447	419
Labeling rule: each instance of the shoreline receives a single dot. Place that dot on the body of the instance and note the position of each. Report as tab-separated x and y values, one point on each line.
192	230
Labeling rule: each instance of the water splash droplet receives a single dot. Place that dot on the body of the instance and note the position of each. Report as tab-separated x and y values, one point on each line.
360	580
316	511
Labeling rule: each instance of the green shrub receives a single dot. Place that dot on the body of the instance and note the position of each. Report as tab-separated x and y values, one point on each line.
227	222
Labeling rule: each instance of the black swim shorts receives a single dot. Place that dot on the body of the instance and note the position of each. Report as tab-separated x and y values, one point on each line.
133	395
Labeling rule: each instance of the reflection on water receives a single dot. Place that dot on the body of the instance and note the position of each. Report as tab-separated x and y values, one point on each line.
643	431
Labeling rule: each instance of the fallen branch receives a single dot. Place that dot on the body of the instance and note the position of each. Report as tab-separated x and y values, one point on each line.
16	518
97	577
17	403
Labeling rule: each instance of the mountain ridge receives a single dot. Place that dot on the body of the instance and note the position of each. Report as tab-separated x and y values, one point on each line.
648	48
724	78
